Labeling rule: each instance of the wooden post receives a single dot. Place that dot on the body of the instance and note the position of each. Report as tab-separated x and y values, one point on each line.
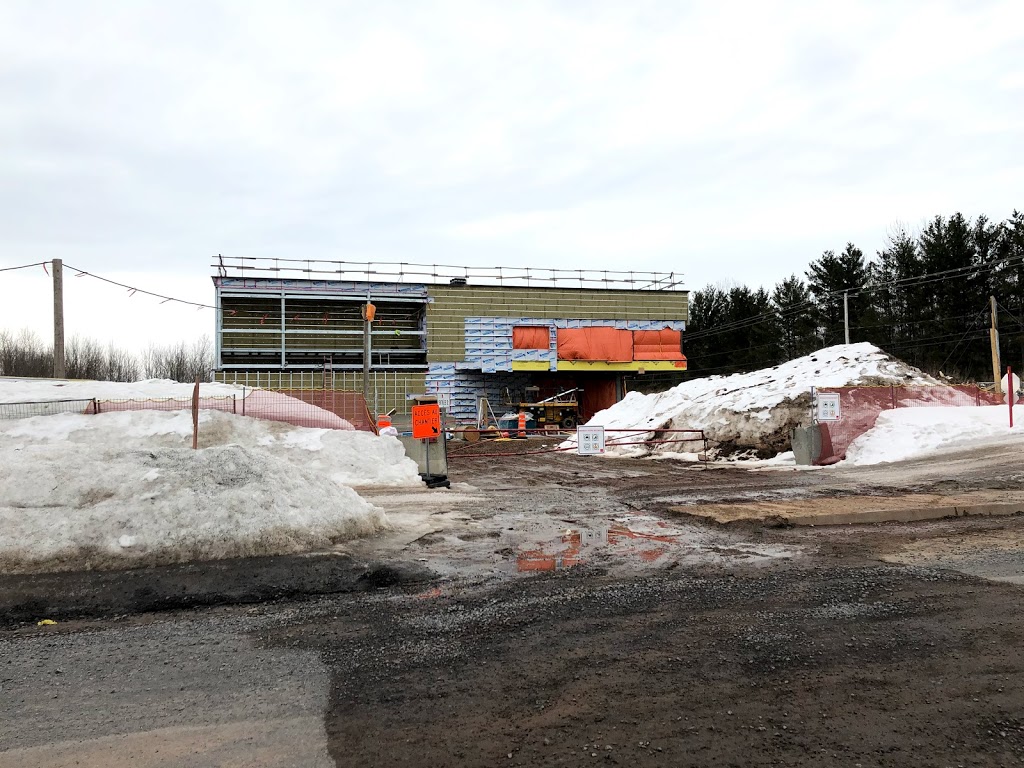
195	416
994	340
58	319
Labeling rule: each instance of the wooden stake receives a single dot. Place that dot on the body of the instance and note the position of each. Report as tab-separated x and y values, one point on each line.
195	416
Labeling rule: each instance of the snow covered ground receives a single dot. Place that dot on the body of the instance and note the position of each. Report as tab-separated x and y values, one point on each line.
15	390
124	489
748	408
909	433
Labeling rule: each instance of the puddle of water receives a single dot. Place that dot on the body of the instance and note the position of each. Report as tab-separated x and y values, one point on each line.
638	540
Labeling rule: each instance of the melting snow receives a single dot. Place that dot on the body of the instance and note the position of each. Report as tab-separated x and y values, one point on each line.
748	407
15	390
907	433
124	489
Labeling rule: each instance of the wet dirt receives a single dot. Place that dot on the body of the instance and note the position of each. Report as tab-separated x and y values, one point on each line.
553	610
840	665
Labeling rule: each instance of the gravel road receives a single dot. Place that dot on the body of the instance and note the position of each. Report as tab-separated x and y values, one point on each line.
549	611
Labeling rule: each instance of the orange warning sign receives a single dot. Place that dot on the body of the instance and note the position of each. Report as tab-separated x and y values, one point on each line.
426	421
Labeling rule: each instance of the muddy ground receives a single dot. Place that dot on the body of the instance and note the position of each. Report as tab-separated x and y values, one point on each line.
550	610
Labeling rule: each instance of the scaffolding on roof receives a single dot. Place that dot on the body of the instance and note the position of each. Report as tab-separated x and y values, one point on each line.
444	274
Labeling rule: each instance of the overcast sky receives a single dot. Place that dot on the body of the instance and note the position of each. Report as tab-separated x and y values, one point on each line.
726	141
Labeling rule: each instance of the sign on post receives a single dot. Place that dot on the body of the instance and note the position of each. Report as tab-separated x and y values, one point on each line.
426	421
828	407
589	441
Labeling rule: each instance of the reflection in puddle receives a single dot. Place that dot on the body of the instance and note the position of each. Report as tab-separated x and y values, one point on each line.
641	540
571	547
553	556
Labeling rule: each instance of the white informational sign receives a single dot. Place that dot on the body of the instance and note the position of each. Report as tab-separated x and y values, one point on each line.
1015	388
444	401
828	407
589	441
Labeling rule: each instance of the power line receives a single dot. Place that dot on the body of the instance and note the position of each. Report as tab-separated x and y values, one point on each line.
25	266
133	290
973	327
910	282
1012	316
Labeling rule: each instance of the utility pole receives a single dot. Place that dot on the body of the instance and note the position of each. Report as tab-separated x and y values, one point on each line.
58	318
846	315
994	338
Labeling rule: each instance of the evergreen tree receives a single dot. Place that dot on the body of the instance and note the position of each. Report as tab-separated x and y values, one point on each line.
794	324
828	278
956	295
750	341
896	303
1008	287
709	311
925	300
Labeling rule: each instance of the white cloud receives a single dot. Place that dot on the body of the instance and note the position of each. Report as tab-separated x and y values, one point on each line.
723	140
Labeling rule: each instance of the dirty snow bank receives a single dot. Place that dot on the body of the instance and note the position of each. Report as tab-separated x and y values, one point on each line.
125	489
756	409
907	433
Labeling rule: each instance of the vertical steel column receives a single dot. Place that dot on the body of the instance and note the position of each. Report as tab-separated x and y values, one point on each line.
283	347
218	333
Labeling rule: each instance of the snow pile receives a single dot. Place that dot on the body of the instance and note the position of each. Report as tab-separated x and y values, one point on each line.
907	433
125	489
754	410
44	397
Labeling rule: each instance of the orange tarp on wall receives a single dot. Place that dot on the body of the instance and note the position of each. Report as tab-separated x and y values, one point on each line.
531	337
657	345
607	344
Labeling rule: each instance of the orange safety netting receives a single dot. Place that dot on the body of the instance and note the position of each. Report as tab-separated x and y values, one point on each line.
606	344
665	344
322	409
860	407
531	337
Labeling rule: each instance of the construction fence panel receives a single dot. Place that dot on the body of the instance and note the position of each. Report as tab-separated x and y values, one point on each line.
46	408
385	390
860	407
317	408
226	403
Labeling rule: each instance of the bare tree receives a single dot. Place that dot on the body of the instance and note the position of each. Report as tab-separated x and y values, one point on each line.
24	354
180	361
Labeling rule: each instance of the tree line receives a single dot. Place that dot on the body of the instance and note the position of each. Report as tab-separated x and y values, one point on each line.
24	354
923	298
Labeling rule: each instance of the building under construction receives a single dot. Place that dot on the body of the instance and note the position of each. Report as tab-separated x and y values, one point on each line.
460	333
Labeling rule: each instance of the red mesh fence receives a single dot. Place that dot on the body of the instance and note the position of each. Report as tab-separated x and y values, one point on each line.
324	409
860	407
227	404
350	406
